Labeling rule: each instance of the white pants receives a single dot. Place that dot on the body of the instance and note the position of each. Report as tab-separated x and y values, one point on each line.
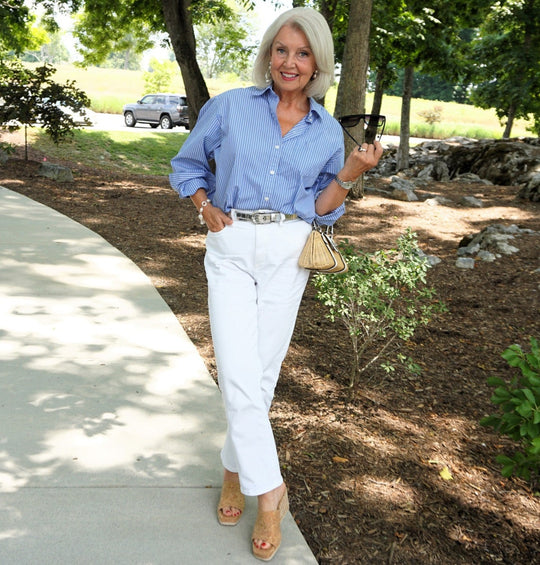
254	290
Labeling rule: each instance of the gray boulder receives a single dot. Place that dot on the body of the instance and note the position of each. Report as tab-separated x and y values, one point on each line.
55	172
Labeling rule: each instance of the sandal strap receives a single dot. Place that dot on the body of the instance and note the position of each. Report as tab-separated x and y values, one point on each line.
267	527
231	496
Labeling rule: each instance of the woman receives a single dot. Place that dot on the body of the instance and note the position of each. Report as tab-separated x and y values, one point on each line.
278	166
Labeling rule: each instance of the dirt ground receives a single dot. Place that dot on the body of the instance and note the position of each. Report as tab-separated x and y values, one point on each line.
363	464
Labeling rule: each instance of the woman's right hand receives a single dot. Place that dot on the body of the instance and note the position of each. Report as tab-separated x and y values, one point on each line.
215	218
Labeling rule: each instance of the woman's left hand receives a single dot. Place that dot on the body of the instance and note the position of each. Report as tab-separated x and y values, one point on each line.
360	160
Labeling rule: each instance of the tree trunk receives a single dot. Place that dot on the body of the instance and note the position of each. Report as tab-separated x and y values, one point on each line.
509	121
402	156
180	29
379	90
351	95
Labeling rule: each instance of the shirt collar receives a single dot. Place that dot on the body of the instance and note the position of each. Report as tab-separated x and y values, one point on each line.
314	107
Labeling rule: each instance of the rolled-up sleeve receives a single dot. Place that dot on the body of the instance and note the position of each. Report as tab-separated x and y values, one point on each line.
327	175
191	168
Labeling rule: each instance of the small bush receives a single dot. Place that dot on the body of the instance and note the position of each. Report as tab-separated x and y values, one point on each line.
7	148
382	299
432	116
519	411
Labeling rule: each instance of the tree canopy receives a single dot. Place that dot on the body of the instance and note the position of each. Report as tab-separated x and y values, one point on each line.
31	97
488	46
15	21
508	47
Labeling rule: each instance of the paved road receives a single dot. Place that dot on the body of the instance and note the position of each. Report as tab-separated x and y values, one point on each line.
115	122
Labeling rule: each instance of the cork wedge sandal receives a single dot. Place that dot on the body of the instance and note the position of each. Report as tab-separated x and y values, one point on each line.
268	528
231	497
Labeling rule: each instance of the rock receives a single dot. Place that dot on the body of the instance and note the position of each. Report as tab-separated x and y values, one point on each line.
3	157
465	263
531	189
403	189
404	194
471	249
502	161
436	171
431	259
506	249
489	244
55	172
472	202
484	255
471	177
438	201
490	161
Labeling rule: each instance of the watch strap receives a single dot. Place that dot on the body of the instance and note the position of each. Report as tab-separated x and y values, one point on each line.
346	184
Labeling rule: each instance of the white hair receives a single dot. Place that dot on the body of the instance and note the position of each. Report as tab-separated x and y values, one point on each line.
318	34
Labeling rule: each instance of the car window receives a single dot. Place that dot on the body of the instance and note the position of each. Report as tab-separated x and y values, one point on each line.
160	100
148	100
174	99
183	101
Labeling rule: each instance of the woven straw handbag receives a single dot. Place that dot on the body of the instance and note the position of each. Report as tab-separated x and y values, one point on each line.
321	253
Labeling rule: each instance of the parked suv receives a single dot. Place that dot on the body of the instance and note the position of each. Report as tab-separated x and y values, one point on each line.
165	110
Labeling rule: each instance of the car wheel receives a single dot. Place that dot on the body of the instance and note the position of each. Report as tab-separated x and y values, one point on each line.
129	119
165	122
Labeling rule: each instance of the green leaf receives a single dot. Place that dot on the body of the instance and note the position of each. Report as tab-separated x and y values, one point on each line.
530	396
492	421
533	430
534	380
496	381
528	372
535	446
524	409
507	470
501	393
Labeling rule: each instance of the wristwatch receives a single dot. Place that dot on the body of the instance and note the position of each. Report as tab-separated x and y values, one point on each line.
346	184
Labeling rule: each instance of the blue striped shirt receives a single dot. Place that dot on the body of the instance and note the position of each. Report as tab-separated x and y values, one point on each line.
257	167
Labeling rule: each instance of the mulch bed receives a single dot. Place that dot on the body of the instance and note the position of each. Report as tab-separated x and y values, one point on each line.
363	464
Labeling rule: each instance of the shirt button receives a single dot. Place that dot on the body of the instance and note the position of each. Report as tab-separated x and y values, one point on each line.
272	172
277	146
266	198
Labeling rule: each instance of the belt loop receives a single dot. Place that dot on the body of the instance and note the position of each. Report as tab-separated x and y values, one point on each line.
233	215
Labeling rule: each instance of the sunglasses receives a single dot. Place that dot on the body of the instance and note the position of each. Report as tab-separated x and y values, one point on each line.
372	123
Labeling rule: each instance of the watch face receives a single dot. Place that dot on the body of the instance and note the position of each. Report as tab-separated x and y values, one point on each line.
345	184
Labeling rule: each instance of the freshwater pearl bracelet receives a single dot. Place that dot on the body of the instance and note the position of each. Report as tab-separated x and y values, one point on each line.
204	204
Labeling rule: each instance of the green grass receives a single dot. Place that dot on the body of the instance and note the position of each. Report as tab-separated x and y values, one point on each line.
110	89
456	119
146	152
150	152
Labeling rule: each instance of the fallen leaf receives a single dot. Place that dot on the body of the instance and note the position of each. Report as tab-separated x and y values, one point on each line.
337	459
446	474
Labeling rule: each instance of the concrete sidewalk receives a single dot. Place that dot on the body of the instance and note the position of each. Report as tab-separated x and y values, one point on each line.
110	425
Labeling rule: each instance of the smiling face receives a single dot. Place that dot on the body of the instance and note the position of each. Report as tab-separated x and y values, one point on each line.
292	62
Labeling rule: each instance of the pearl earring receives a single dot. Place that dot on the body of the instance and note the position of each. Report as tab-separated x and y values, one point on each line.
268	74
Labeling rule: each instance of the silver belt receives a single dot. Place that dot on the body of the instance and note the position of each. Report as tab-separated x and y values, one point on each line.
262	216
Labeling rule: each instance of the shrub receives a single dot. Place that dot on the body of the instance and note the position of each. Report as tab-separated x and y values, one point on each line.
31	97
519	411
432	116
382	299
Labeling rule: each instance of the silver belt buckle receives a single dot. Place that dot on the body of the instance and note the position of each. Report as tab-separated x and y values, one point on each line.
261	217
